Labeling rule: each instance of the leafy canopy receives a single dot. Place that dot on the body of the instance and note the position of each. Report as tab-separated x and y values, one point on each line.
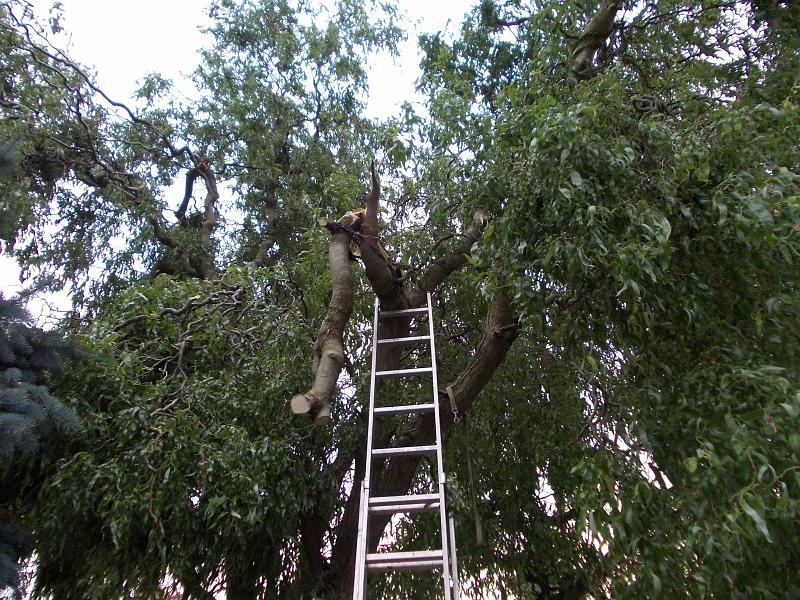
639	439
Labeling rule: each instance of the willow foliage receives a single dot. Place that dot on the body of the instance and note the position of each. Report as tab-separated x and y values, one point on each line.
640	438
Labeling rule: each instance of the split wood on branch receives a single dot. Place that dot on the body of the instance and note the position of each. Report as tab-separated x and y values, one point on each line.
328	349
380	270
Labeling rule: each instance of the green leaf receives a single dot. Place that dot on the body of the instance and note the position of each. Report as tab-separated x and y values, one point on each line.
656	584
665	226
581	525
576	178
757	519
630	154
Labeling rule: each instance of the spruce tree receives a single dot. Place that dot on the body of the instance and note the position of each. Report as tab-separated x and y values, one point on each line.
32	422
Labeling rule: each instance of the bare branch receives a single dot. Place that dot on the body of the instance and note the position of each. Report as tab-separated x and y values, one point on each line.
511	23
187	194
212	195
441	268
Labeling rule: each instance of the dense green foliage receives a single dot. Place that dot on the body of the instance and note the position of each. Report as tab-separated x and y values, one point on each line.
192	456
654	254
640	439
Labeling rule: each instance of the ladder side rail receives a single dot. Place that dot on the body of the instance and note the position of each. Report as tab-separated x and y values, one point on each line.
371	414
360	591
456	583
439	460
360	540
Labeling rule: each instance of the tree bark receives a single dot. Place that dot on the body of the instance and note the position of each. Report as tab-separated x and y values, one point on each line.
597	31
328	351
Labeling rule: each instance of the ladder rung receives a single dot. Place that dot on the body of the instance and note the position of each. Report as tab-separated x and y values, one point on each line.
390	505
414	339
402	313
404	451
404	372
405	409
396	561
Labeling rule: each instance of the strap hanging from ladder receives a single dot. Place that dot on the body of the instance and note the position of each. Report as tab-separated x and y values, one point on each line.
443	558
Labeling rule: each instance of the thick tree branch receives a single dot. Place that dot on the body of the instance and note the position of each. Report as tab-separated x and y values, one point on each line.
328	353
441	268
370	226
161	232
187	194
382	274
312	531
271	221
593	37
500	333
209	206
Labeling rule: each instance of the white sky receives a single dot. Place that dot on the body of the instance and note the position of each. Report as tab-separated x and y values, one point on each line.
124	41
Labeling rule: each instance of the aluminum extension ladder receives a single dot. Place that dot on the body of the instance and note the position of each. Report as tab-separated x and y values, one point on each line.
445	558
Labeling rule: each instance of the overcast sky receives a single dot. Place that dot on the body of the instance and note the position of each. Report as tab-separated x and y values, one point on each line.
123	41
126	40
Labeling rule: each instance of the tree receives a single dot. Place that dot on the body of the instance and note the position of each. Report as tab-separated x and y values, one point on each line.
617	180
29	415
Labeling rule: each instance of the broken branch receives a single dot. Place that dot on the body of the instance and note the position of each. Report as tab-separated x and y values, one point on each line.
328	353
